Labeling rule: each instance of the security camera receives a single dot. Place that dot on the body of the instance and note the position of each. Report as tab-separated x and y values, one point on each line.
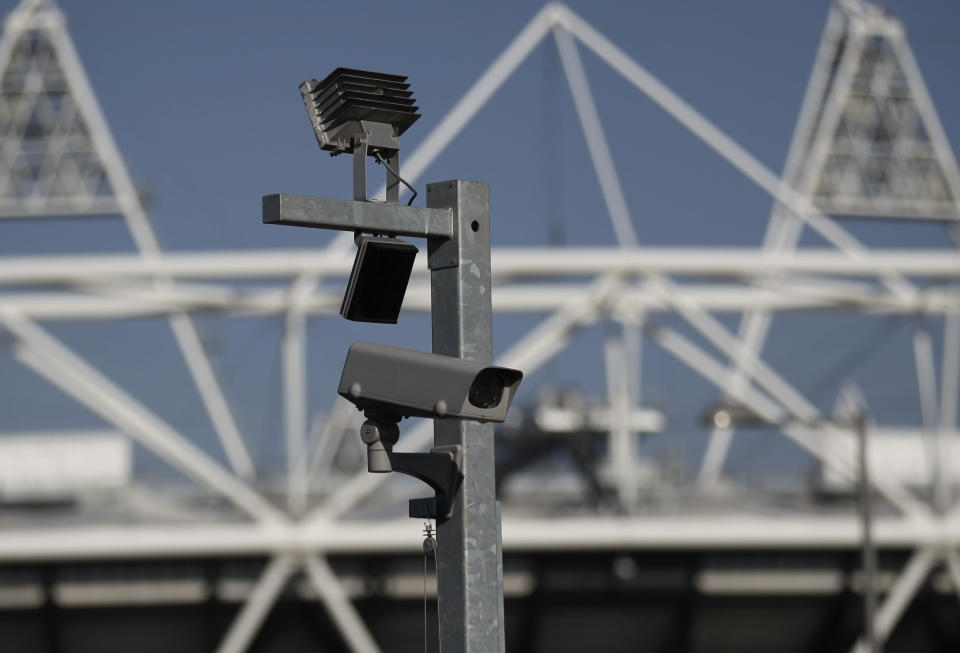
403	382
390	383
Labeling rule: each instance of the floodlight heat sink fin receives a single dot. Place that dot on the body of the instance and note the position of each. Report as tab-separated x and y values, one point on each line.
337	103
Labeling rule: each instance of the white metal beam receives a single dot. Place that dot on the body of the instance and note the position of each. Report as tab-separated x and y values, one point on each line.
211	395
295	407
781	228
329	435
603	164
258	604
344	615
953	568
714	457
768	410
86	101
949	389
735	530
508	262
522	298
927	387
621	360
294	352
714	331
898	598
621	454
53	361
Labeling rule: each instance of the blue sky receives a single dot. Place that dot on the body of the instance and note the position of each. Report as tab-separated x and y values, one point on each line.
202	99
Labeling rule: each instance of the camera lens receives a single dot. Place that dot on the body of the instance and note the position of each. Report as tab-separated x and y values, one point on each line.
487	389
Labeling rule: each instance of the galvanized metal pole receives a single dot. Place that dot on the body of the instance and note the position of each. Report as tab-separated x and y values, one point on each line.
469	588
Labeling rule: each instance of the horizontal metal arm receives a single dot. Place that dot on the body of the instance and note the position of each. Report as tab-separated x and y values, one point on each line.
348	215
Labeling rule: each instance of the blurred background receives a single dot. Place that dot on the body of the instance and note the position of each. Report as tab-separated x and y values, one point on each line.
724	256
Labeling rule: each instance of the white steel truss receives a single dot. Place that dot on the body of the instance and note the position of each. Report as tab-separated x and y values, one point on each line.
868	142
880	150
50	164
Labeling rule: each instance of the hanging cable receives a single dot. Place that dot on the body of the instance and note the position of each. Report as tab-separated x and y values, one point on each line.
430	548
396	174
425	648
436	574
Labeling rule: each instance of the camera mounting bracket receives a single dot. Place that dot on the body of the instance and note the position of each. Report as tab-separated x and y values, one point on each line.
440	469
442	466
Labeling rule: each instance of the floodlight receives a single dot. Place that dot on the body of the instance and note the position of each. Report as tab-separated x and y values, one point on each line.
365	113
338	103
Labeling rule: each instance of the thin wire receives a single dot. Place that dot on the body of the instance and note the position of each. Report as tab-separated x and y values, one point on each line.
397	175
429	546
425	602
436	571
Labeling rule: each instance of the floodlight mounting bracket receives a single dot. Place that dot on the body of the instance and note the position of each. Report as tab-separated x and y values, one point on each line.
379	140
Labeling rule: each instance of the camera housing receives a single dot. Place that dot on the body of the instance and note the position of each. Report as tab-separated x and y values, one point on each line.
410	383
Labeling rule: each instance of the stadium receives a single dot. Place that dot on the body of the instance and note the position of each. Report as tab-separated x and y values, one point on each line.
723	255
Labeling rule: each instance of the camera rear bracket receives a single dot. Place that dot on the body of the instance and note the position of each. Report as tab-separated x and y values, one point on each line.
440	469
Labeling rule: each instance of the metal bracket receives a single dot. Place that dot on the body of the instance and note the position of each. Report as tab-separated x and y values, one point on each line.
443	252
367	217
440	469
375	138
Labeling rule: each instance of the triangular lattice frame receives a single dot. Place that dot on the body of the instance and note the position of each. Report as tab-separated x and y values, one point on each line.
876	147
54	161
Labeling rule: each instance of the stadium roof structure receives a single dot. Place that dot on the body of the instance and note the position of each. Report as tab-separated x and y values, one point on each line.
868	143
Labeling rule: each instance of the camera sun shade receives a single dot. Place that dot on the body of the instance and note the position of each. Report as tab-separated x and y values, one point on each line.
378	280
